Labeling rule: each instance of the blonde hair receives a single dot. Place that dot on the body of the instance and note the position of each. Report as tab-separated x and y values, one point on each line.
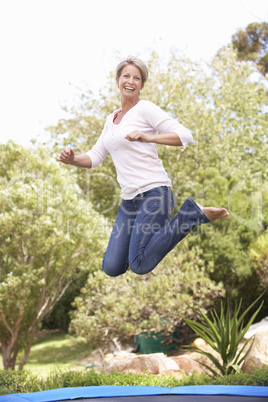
136	62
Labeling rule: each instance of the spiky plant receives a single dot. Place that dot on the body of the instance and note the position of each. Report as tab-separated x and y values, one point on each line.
224	334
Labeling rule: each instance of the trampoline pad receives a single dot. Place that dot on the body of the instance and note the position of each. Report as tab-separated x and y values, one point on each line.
115	393
177	398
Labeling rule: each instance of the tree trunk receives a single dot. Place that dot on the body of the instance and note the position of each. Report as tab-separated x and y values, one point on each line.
26	355
9	358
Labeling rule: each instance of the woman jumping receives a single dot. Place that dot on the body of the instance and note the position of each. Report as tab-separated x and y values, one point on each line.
144	230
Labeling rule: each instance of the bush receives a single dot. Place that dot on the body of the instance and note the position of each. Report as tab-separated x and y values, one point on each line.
12	382
104	312
257	377
21	382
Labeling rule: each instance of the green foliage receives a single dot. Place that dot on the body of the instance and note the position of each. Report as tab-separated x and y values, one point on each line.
259	256
226	166
21	382
48	235
257	377
104	311
224	334
73	379
12	381
252	44
59	318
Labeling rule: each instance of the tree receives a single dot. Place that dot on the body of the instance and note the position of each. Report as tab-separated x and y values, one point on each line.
252	44
48	236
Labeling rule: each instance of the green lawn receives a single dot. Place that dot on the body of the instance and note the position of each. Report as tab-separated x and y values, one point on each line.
56	351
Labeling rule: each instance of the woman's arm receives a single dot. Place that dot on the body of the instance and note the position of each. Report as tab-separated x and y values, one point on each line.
68	157
162	122
163	139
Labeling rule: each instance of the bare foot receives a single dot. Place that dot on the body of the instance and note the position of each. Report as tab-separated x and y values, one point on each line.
214	213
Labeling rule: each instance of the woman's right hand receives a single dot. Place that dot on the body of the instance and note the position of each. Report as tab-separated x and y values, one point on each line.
66	156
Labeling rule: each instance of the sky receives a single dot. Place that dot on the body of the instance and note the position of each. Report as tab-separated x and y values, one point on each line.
52	49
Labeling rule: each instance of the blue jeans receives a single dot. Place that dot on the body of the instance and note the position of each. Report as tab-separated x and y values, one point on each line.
144	232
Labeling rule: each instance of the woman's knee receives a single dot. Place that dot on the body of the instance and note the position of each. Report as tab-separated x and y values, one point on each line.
137	271
113	270
140	267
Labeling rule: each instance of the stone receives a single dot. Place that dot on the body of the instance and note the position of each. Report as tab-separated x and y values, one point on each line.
187	365
202	359
261	326
258	355
155	363
108	357
119	364
177	365
199	343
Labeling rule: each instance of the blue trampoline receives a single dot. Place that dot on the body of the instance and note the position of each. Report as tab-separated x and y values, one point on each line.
196	393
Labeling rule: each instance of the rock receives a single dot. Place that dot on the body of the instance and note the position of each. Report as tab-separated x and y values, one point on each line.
258	327
159	364
187	365
155	363
119	364
258	355
202	359
199	343
96	357
108	357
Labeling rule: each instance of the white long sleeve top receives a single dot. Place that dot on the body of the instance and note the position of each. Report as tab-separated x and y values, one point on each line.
137	164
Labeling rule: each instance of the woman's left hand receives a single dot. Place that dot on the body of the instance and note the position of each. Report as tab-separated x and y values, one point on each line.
136	135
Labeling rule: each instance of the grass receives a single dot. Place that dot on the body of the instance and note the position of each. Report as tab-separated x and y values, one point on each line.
56	351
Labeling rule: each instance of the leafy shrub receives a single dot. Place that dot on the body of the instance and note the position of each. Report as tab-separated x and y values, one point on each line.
12	382
259	256
257	377
74	379
104	312
21	382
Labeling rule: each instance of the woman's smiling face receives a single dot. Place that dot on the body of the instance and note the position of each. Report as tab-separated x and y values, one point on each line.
130	81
